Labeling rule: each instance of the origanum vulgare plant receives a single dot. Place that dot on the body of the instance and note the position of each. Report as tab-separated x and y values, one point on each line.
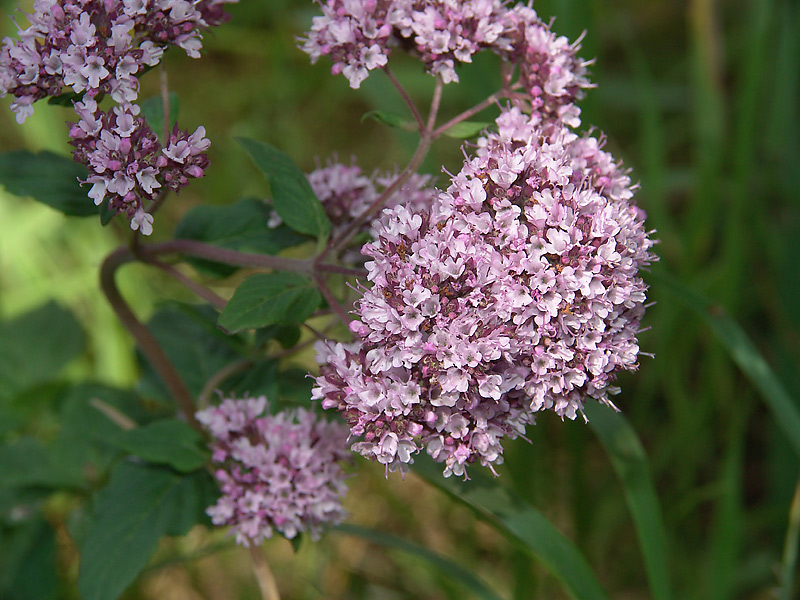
512	289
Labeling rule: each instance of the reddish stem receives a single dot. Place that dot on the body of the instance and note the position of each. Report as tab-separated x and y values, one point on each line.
146	341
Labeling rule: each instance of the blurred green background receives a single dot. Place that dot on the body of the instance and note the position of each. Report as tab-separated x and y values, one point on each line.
700	99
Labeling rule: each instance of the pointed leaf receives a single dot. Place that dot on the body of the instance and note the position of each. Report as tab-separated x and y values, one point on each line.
292	195
49	178
28	568
502	509
241	226
169	441
466	129
390	119
191	339
23	363
139	505
269	299
630	462
745	355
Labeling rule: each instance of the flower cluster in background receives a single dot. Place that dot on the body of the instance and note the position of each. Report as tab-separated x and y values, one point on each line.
359	36
94	48
277	472
346	193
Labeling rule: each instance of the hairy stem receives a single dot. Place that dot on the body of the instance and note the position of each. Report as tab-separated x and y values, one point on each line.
228	257
341	270
146	341
200	290
411	105
164	104
434	111
264	576
337	308
469	113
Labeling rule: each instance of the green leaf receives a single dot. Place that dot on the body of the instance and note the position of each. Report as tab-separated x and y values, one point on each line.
269	299
442	564
153	113
169	441
191	339
745	355
466	129
292	195
49	178
391	120
28	568
28	462
286	335
502	509
87	438
68	99
630	462
23	341
139	505
239	226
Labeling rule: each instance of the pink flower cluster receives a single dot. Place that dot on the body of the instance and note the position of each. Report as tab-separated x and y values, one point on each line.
100	47
277	472
518	292
346	193
358	36
127	163
97	46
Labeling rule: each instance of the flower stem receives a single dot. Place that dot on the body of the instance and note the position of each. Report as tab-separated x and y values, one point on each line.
411	105
202	291
434	111
337	308
226	256
264	576
468	113
146	341
341	270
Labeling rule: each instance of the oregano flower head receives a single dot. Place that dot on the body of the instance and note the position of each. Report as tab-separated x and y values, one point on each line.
517	292
278	472
360	35
91	47
128	166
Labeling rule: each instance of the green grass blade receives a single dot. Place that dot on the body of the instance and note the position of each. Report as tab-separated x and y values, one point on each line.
444	565
502	509
746	356
630	462
726	533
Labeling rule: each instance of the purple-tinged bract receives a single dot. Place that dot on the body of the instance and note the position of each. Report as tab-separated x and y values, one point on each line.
518	292
277	472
